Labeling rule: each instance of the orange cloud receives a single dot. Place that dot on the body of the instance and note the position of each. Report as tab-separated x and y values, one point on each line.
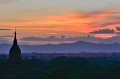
72	22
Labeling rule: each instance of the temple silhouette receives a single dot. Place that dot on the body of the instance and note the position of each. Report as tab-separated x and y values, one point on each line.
15	52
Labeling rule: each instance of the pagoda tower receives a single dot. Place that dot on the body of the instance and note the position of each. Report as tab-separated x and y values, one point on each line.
15	52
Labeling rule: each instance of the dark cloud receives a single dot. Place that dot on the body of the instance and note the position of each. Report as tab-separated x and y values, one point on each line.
50	38
118	28
61	39
5	29
6	36
103	31
104	17
110	23
104	24
105	12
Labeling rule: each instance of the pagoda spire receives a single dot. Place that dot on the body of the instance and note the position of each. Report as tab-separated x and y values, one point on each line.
15	38
15	52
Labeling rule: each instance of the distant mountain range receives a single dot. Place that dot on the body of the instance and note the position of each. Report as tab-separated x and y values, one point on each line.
75	47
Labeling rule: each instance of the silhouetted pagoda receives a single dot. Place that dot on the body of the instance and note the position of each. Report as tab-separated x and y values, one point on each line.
15	52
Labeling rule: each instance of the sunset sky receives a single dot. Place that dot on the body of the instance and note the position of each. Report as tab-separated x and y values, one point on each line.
56	21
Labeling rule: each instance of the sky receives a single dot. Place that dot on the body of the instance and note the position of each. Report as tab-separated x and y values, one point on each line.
56	21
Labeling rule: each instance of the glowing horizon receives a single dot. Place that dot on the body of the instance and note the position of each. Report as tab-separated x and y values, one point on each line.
46	18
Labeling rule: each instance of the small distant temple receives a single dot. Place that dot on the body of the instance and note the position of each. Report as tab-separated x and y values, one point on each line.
15	52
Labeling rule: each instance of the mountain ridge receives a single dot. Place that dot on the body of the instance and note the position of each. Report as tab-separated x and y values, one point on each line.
75	47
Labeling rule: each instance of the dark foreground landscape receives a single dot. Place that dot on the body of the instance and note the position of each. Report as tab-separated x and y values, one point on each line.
62	67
